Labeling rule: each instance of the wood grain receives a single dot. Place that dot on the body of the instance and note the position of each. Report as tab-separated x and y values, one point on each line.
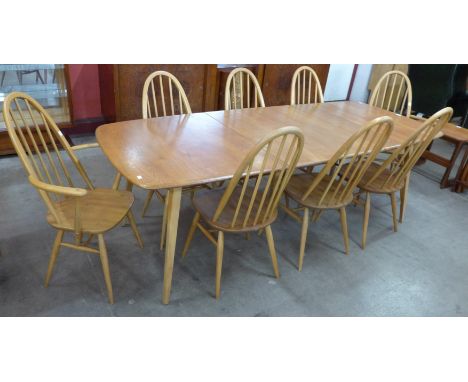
200	148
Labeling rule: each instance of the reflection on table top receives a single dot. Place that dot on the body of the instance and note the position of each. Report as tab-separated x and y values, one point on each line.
184	150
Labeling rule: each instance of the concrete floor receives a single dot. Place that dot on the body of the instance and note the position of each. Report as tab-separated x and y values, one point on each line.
420	271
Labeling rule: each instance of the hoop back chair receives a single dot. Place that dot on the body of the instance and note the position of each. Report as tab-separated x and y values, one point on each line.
332	189
393	92
154	92
305	87
46	157
163	95
250	200
238	92
390	176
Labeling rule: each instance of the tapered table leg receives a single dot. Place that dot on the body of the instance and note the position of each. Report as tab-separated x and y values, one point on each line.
174	196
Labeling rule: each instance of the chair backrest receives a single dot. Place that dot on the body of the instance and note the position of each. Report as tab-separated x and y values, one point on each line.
164	89
393	92
305	87
277	155
403	159
358	152
238	94
38	142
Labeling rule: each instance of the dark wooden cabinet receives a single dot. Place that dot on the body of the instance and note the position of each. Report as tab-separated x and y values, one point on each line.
121	85
276	81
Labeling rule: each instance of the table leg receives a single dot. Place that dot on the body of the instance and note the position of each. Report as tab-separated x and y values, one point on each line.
445	179
458	187
174	195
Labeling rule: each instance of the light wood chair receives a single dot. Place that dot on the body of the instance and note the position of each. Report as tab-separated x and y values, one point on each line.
305	87
304	81
238	94
163	95
390	176
328	189
152	95
249	206
48	160
393	92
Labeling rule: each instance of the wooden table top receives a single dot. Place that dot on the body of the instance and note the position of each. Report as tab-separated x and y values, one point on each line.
177	151
456	133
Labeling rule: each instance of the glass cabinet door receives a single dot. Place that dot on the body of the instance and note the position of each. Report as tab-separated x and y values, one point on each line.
44	82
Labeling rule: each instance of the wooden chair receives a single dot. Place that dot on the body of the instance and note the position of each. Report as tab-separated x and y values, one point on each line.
390	176
393	92
163	95
45	153
328	188
304	82
152	95
461	181
238	94
249	206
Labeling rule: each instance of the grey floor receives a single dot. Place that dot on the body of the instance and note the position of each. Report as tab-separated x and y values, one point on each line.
420	271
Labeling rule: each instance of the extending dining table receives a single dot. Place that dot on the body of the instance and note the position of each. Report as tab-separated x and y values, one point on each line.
174	152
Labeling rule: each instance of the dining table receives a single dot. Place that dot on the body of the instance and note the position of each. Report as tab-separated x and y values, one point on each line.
175	152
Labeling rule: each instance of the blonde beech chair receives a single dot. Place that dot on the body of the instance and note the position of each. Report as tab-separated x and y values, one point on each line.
328	189
390	176
304	81
163	95
152	95
305	87
38	143
393	92
238	93
249	206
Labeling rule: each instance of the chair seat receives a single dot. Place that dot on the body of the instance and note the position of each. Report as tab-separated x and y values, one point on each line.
206	202
377	185
299	184
101	210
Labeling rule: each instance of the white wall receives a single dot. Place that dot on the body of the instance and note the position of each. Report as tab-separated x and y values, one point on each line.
360	92
339	78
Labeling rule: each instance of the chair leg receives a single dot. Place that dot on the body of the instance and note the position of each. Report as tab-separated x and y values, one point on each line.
53	256
105	267
404	198
305	227
129	186
344	227
445	178
90	237
394	212
366	220
164	222
149	196
219	261
116	183
131	220
271	247
192	229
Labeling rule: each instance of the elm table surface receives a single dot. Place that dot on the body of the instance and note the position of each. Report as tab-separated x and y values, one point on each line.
184	150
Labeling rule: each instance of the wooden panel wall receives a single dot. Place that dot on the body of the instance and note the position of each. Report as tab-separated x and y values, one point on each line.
204	85
129	79
276	81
